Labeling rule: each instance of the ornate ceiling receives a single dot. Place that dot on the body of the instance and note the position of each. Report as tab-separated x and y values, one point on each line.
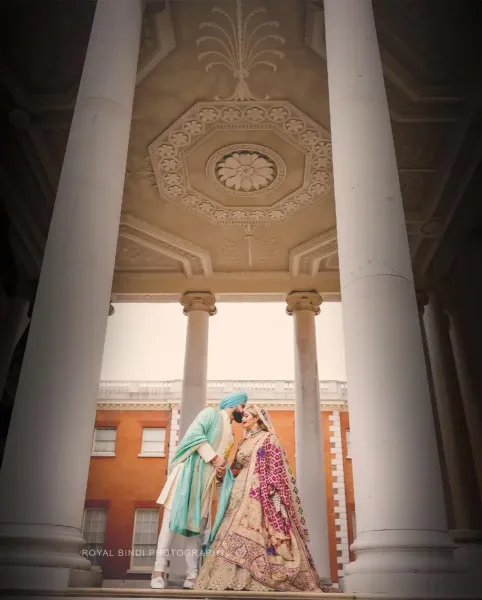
229	182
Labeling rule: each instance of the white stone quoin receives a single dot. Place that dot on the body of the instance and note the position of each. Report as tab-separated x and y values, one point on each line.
45	466
338	476
402	545
198	306
308	434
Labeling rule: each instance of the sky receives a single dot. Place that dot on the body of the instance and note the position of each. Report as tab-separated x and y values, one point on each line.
246	341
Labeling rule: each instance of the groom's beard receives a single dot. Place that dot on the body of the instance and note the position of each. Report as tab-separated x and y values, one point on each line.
237	416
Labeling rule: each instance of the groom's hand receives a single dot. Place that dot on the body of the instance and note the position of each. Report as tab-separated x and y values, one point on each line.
219	462
221	472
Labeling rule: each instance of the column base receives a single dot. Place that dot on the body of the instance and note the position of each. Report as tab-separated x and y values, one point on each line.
408	564
468	552
34	556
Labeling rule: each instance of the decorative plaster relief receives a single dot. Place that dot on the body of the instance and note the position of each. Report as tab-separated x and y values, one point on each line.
194	259
247	169
240	44
168	155
306	258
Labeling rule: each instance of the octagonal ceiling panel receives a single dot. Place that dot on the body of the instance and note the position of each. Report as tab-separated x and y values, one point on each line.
243	162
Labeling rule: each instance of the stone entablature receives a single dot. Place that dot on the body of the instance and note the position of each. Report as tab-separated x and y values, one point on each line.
276	394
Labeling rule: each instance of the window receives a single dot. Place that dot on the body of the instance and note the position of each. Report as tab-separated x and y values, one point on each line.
348	444
153	441
93	532
104	441
144	541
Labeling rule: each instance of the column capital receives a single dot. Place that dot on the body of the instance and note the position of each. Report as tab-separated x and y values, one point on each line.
204	301
309	300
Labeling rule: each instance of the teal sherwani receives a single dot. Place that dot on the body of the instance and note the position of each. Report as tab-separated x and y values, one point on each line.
197	475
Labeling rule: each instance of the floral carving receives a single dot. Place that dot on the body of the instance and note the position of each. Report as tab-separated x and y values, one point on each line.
208	115
166	150
169	164
255	113
294	125
179	138
250	169
310	137
175	190
246	171
172	179
193	127
278	114
231	114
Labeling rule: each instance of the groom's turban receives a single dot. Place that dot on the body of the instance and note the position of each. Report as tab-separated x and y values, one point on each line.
233	399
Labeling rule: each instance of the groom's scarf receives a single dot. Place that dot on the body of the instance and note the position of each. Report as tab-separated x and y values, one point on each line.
186	513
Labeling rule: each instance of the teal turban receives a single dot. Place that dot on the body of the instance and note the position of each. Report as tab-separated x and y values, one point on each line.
233	399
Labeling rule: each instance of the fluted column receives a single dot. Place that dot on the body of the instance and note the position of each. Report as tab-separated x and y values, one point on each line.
304	306
47	454
198	306
402	545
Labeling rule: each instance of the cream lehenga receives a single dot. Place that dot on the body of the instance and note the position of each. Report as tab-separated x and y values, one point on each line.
261	543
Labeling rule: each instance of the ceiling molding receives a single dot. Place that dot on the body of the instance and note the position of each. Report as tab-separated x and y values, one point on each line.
306	258
157	39
454	176
191	133
195	260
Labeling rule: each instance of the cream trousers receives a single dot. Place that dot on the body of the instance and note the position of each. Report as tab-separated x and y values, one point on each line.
192	551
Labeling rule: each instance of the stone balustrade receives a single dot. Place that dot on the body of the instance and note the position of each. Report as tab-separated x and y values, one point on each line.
170	391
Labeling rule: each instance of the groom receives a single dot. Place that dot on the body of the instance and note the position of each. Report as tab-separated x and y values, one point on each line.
199	461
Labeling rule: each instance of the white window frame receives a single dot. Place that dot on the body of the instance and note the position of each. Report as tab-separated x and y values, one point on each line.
98	534
348	444
94	440
161	453
133	568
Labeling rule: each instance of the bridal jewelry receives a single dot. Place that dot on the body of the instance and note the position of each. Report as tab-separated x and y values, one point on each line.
254	432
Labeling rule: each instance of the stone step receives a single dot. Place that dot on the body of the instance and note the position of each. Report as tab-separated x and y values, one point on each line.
169	594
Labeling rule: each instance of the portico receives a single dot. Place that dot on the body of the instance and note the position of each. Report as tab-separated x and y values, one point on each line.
257	165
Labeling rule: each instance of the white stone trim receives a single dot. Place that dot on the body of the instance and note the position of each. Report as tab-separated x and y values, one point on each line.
174	437
338	486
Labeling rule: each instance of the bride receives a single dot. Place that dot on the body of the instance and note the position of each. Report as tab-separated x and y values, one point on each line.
261	542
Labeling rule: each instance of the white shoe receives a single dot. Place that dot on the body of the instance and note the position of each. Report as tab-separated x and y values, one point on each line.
158	583
189	584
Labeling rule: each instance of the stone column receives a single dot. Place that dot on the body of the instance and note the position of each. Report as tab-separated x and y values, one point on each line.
422	301
468	393
466	529
47	454
456	448
402	545
198	306
12	326
308	433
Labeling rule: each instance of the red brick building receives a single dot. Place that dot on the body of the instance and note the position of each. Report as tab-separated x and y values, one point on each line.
136	432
